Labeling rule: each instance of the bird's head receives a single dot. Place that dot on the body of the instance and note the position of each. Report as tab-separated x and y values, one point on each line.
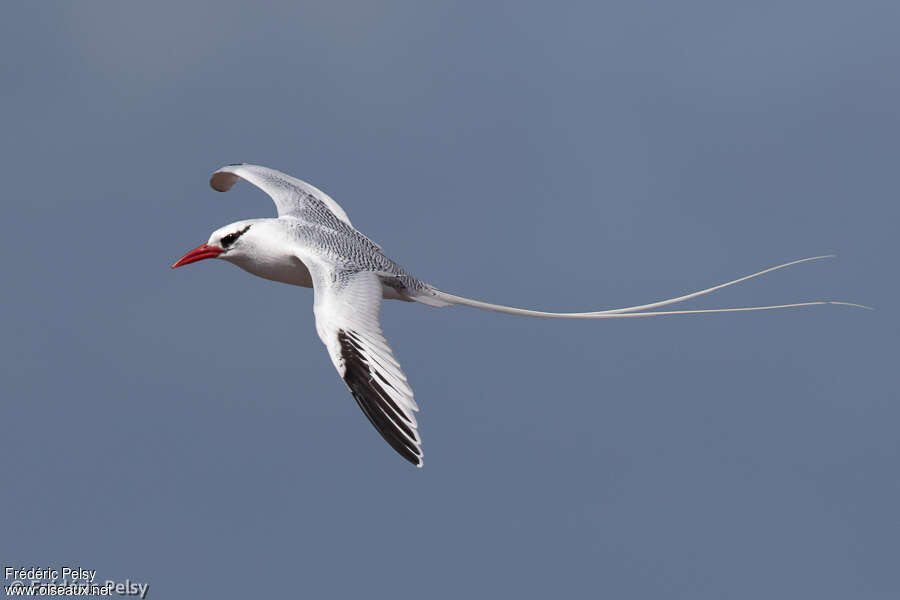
232	242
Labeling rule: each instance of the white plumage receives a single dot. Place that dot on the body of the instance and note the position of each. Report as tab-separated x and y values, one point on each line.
312	243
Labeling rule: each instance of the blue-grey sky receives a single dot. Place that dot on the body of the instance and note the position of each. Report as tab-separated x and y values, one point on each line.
186	428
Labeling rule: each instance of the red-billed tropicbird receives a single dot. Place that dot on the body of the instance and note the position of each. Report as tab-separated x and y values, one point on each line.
313	244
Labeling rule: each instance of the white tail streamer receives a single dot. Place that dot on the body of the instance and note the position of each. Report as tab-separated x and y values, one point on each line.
641	310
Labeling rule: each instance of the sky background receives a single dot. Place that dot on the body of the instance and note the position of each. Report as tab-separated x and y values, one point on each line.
186	428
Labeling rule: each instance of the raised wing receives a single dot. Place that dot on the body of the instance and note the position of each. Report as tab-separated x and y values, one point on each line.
291	195
346	308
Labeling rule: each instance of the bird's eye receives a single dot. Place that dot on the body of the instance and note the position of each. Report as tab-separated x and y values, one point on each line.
231	238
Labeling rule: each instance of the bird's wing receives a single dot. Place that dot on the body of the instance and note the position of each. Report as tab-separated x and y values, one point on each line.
291	195
346	308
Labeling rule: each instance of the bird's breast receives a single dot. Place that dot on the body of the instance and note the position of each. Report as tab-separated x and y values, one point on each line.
292	272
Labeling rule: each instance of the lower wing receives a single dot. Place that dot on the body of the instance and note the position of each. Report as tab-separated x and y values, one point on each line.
346	308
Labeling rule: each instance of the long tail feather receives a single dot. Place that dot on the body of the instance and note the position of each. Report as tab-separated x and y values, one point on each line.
641	310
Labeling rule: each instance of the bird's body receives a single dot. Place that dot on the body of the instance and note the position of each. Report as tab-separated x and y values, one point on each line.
313	244
334	242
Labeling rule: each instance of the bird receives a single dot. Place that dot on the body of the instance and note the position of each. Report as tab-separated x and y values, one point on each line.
312	243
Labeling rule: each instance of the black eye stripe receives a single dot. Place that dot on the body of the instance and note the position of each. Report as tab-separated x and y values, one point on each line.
232	237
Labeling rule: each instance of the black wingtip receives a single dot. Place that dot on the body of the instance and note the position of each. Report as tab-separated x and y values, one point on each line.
375	402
